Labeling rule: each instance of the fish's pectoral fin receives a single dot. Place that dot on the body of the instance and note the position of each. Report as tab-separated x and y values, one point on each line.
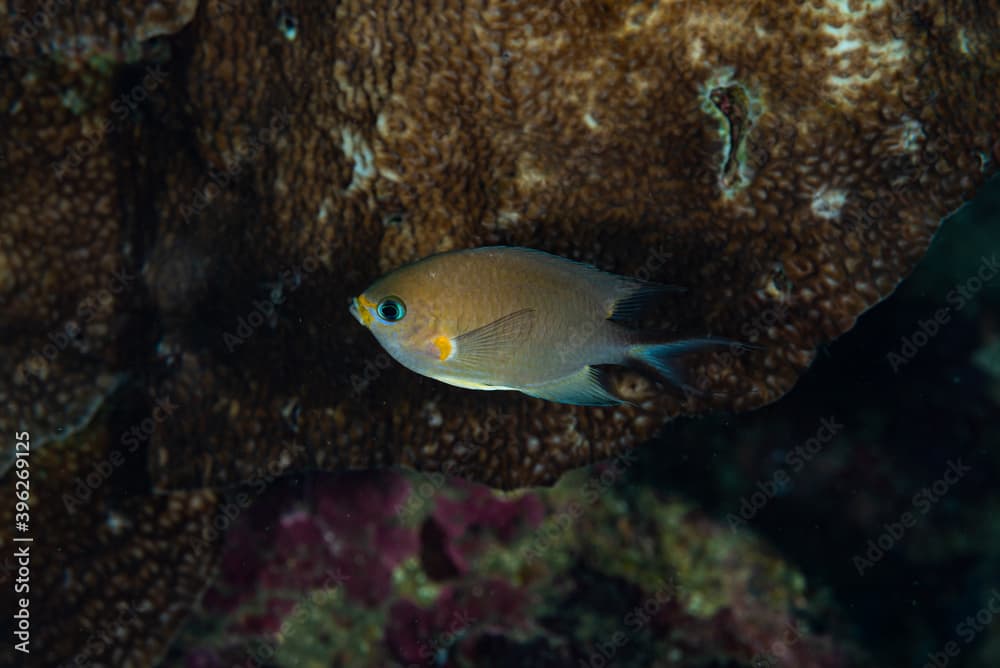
637	297
583	388
492	343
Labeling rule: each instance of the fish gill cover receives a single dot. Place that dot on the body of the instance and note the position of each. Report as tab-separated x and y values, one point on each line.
191	193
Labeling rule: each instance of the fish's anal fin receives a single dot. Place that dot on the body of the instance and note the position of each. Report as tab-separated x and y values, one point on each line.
636	298
491	344
583	388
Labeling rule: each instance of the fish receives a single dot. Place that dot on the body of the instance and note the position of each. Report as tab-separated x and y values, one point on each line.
512	318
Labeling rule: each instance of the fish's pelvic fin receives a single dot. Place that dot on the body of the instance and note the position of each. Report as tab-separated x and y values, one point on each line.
637	297
583	388
492	343
662	357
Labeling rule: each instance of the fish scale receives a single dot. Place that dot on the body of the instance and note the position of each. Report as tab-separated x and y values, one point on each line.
507	318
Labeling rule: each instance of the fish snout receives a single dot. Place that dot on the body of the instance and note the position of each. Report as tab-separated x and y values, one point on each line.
360	314
355	310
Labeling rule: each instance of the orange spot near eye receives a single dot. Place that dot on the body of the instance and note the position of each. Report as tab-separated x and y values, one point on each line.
444	346
363	306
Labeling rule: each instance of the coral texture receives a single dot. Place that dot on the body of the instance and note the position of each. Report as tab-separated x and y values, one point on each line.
191	193
595	572
604	132
111	571
788	164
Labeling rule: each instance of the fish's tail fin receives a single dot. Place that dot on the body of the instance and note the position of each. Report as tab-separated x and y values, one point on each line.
664	357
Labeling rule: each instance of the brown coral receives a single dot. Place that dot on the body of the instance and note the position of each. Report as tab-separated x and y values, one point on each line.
592	130
787	162
106	564
60	248
89	28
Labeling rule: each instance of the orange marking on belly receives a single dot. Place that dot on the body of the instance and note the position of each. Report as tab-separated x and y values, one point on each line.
444	346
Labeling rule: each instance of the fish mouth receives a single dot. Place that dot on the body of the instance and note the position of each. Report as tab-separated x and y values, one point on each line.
360	313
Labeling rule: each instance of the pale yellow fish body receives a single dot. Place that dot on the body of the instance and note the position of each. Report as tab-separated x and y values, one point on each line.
506	318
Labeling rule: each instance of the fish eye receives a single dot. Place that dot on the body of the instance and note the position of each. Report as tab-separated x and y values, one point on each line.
391	309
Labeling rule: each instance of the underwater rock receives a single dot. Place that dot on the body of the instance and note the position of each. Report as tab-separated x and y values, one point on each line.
786	164
191	194
111	571
597	570
602	132
90	28
63	273
450	534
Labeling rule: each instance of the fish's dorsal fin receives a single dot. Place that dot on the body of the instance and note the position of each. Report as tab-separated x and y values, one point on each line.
583	388
637	296
493	343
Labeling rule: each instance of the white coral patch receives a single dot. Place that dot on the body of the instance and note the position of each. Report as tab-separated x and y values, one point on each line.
963	41
911	134
844	8
696	50
529	175
642	16
115	522
324	210
845	36
828	203
507	219
381	124
720	27
357	150
863	52
430	411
